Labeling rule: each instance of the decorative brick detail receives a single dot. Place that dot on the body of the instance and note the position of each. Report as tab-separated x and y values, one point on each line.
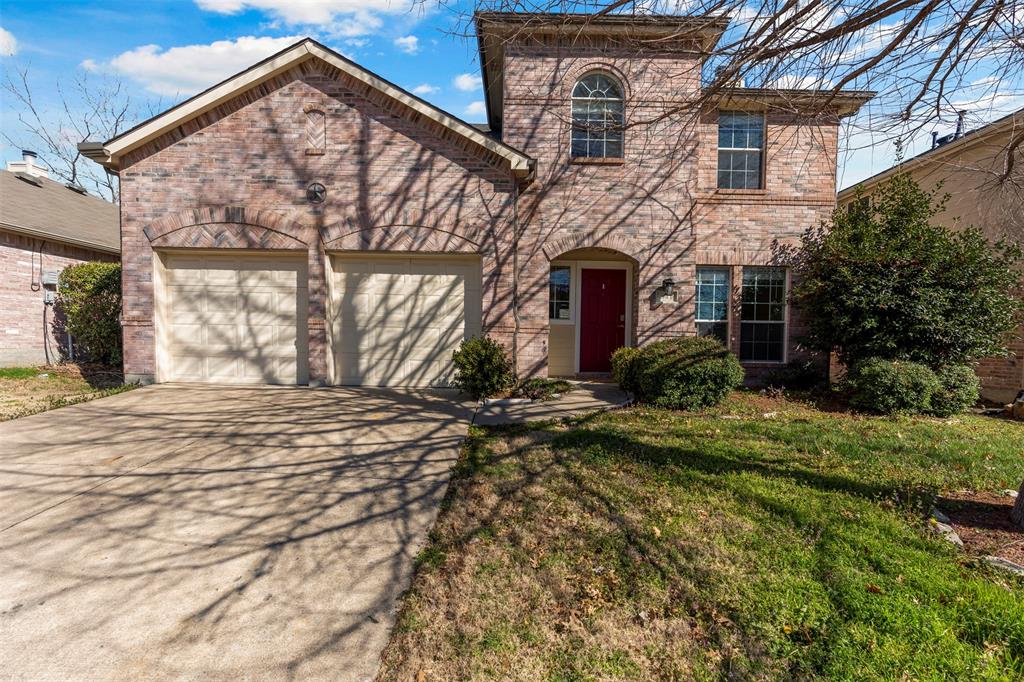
402	238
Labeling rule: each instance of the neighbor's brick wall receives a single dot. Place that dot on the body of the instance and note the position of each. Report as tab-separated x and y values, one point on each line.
25	339
392	183
660	205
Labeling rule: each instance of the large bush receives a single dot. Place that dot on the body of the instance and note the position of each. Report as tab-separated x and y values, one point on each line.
882	281
90	300
482	367
958	390
892	386
687	373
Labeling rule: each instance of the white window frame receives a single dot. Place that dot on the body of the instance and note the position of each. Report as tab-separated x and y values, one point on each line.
785	316
728	300
573	292
621	100
761	184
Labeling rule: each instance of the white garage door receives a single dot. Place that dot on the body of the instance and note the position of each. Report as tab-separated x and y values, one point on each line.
397	321
238	319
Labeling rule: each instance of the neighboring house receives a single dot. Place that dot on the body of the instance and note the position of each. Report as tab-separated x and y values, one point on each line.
308	221
44	227
971	167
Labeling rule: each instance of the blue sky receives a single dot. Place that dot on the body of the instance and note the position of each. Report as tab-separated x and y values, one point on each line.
167	50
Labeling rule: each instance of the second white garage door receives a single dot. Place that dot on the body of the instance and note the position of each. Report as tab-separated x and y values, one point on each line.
233	319
397	321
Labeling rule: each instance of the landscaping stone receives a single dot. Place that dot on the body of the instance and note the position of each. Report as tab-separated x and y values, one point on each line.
1005	564
940	517
946	531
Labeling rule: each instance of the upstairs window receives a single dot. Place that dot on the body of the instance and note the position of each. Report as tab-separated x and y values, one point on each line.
763	323
713	303
597	117
740	147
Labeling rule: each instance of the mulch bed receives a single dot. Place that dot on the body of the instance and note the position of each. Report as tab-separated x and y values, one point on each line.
982	520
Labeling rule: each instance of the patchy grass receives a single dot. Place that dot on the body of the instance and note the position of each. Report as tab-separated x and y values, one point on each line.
761	540
541	388
28	390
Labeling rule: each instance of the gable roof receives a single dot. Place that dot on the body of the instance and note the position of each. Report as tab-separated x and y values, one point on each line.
39	207
110	153
1006	124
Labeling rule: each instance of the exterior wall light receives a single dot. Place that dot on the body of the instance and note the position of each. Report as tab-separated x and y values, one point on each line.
666	293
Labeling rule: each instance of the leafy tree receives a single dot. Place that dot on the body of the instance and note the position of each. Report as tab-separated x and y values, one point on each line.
883	282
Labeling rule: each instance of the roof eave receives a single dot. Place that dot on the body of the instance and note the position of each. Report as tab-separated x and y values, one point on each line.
109	153
42	234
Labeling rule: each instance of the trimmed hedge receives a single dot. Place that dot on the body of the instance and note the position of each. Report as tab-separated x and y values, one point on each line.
482	367
958	390
688	373
89	295
904	387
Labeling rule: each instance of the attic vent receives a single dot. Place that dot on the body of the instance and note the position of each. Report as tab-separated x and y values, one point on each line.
316	131
30	179
76	188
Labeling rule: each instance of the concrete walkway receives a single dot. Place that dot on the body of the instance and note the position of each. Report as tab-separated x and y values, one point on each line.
588	396
179	532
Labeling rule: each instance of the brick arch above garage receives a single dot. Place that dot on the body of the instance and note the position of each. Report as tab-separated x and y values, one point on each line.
233	227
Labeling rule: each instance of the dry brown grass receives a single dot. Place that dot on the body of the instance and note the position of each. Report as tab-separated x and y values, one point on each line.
25	391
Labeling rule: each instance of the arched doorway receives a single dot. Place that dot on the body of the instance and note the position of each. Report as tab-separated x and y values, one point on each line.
591	310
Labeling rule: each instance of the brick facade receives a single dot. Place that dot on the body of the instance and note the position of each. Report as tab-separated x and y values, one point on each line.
236	177
27	335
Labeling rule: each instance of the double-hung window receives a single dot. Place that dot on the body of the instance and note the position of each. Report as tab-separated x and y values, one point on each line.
558	293
763	315
740	150
713	303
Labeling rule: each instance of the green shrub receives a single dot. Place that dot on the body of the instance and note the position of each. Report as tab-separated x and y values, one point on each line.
958	390
882	281
482	367
892	386
90	299
624	368
687	373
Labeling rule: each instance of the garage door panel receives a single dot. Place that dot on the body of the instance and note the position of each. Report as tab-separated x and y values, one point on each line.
399	321
234	319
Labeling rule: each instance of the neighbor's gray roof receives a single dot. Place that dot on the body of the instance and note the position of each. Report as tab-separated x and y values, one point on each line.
51	210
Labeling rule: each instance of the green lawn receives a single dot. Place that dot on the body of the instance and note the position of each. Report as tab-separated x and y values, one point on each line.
645	544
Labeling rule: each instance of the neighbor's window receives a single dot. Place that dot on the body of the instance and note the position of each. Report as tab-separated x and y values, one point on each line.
763	320
740	143
558	292
597	117
713	303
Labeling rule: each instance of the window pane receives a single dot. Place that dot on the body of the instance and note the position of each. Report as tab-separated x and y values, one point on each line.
597	115
712	303
762	327
558	292
740	141
719	330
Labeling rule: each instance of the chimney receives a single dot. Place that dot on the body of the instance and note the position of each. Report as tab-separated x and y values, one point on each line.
28	165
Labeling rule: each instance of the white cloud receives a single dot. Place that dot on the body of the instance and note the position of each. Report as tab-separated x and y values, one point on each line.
8	44
799	83
476	109
189	69
336	18
467	82
90	65
425	89
357	42
408	44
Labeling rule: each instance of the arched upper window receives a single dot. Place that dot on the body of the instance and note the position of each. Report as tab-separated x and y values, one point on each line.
597	117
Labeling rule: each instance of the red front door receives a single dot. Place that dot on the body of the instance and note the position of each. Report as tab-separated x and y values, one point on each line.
602	318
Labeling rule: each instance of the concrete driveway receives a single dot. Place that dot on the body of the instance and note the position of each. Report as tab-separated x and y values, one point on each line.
216	533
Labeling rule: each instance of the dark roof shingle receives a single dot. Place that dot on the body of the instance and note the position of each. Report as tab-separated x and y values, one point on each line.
44	208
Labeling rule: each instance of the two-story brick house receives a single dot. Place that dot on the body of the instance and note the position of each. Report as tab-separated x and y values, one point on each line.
307	220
